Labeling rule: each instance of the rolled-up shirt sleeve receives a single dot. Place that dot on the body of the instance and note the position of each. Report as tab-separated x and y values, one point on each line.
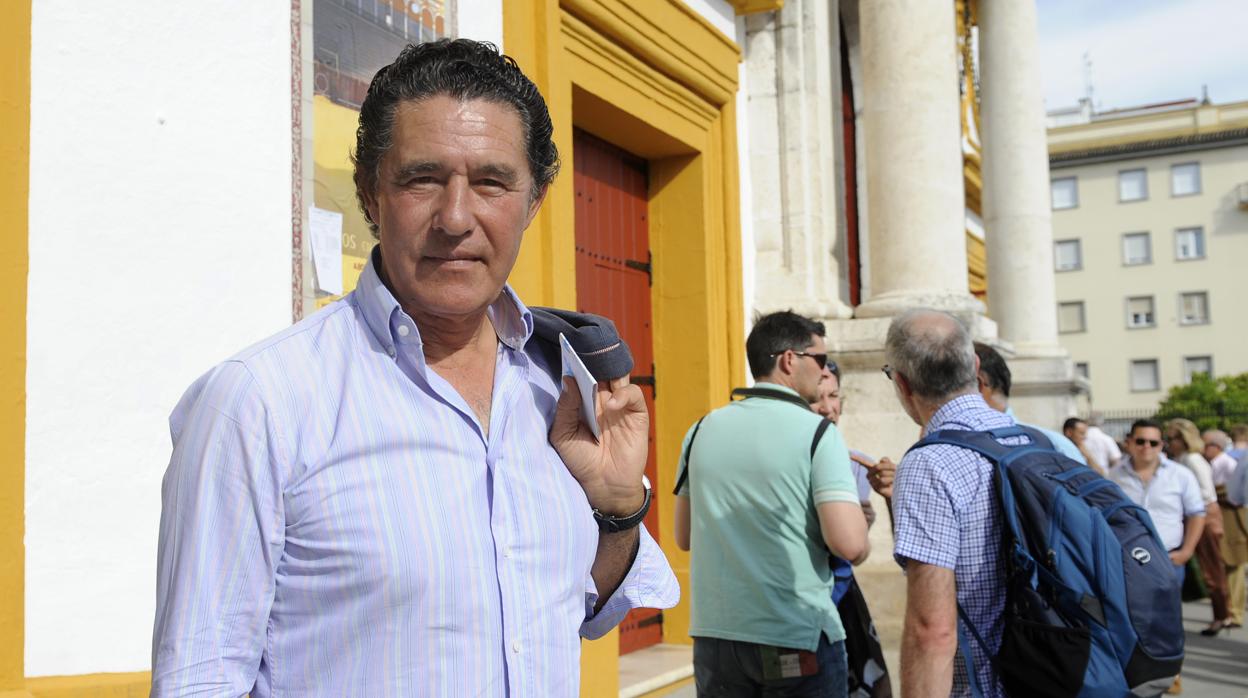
649	583
221	536
1193	500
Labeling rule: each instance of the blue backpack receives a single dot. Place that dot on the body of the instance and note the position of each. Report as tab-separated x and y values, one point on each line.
1092	600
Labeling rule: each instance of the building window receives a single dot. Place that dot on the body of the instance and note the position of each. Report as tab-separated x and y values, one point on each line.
1065	192
1081	369
1070	317
1067	255
1140	312
1194	308
1137	248
1185	179
1189	243
1144	376
1133	185
1193	365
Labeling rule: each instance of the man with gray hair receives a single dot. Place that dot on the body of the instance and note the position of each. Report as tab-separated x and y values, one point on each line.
947	522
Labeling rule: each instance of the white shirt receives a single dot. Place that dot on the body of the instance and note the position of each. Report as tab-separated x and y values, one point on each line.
1204	474
1102	447
1169	497
1223	465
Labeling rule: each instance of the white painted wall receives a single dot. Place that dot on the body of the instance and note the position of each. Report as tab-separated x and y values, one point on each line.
719	13
160	238
481	20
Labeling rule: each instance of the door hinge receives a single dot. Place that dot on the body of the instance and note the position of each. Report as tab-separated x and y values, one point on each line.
646	266
656	619
648	380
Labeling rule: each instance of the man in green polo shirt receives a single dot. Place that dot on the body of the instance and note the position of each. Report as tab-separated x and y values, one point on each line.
761	513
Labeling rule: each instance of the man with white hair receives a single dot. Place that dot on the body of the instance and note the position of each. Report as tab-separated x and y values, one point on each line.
1217	443
947	522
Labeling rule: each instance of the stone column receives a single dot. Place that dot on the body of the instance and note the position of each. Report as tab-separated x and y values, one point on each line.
1021	289
1021	295
912	123
792	158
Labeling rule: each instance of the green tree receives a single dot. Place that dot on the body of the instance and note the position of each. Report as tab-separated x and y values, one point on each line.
1212	403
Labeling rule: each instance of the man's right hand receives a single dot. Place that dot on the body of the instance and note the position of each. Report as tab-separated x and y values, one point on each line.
881	475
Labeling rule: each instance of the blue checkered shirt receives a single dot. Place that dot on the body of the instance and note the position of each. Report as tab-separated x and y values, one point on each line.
946	514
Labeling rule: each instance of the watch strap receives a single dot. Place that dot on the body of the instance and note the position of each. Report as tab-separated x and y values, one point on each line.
619	524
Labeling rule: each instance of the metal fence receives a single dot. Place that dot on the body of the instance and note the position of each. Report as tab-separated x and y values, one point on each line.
1117	423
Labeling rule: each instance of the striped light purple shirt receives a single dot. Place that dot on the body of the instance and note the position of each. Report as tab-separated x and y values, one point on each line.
335	523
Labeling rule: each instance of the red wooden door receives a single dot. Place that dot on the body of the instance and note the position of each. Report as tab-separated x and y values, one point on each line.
613	279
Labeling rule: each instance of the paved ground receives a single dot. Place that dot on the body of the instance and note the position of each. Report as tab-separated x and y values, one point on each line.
1216	667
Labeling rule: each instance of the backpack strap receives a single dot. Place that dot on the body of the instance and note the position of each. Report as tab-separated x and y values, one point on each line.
1000	455
987	443
965	646
754	392
684	474
819	432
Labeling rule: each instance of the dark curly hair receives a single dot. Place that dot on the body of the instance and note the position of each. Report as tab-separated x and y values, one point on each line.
462	69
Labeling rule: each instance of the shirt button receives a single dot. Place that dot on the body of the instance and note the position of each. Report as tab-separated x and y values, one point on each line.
403	330
515	646
390	351
507	552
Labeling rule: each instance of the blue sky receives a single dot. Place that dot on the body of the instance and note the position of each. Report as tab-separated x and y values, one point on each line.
1143	51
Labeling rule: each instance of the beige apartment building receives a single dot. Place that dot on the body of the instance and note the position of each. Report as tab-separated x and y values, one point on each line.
1150	235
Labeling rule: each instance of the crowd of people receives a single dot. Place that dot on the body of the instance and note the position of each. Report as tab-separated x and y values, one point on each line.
1216	462
775	506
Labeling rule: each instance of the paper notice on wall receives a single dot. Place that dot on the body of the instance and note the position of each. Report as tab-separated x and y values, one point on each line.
325	232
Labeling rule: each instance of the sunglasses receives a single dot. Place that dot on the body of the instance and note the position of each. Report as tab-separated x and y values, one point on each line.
888	371
1149	442
821	359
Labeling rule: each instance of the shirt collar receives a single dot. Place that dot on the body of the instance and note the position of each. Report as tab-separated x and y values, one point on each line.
955	408
512	321
1162	464
777	386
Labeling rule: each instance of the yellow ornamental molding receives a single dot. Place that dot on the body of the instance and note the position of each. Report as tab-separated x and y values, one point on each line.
749	7
669	36
14	266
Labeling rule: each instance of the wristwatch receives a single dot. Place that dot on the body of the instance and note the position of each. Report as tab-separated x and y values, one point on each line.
618	524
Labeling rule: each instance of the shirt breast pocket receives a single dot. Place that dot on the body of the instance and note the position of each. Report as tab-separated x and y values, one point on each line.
553	529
